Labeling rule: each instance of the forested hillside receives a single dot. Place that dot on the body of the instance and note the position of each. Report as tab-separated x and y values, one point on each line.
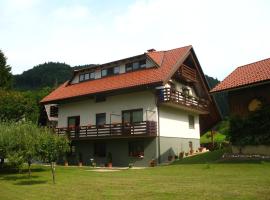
221	98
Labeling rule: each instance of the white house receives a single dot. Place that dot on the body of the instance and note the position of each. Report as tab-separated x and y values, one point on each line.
147	107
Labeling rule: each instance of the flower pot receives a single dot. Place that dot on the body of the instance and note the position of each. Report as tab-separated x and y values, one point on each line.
109	165
66	163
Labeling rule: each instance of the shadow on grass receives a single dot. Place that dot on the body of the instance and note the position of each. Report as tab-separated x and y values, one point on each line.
17	177
20	179
30	182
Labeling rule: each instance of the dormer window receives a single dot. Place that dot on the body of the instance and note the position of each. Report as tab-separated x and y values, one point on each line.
135	65
110	71
87	76
81	77
142	63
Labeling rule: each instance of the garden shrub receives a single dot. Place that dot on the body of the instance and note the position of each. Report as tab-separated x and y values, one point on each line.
253	129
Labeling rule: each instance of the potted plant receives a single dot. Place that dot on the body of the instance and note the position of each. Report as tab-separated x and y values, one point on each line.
80	159
152	163
65	160
182	154
109	160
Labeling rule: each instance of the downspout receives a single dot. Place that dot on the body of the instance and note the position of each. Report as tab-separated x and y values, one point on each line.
159	158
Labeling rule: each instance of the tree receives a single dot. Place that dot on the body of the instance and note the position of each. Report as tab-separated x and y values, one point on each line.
19	143
51	148
5	73
17	106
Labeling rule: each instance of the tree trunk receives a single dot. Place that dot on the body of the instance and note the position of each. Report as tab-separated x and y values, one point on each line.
29	168
2	162
53	171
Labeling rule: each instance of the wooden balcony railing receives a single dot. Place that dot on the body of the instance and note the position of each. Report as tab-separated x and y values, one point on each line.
177	97
144	128
187	73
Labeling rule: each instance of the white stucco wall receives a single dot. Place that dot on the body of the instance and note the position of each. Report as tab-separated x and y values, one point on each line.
179	87
88	109
174	123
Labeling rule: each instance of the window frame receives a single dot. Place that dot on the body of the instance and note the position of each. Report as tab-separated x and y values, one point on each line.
99	114
191	121
131	115
132	146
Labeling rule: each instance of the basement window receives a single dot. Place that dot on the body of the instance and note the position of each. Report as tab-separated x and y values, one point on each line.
136	149
191	121
100	149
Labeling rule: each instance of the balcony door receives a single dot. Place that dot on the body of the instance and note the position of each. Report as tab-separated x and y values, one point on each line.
132	116
74	124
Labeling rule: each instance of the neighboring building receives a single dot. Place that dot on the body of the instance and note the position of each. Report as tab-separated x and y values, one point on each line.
248	87
150	106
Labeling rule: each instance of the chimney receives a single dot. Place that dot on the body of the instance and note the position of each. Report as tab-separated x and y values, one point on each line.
151	50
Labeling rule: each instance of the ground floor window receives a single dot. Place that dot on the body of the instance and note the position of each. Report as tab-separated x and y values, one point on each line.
191	121
136	149
100	149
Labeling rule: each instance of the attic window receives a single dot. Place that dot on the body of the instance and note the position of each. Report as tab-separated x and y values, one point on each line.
110	71
54	111
87	76
135	65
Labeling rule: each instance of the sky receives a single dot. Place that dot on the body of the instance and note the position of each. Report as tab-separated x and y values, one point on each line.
225	34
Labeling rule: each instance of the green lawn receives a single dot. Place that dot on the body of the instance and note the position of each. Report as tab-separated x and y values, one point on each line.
178	181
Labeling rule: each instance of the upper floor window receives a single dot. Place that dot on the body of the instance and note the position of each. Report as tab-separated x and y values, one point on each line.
135	65
81	77
87	76
100	119
191	121
54	111
132	116
110	71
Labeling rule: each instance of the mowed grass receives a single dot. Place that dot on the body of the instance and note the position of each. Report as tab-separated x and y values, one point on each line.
178	181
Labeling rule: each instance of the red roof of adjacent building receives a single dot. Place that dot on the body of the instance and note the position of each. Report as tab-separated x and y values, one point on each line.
166	61
249	74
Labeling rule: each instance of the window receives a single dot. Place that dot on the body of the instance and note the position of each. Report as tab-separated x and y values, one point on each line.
100	149
191	121
110	71
135	65
100	119
86	76
54	111
142	63
104	72
92	75
136	149
129	67
73	121
116	70
132	116
81	77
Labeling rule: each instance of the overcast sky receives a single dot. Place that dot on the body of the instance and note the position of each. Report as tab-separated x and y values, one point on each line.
224	34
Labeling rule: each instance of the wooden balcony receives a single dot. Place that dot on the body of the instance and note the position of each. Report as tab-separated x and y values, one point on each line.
179	99
116	130
187	73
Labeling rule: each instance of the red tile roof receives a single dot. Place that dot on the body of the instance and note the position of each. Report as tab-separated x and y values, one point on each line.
166	61
249	74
